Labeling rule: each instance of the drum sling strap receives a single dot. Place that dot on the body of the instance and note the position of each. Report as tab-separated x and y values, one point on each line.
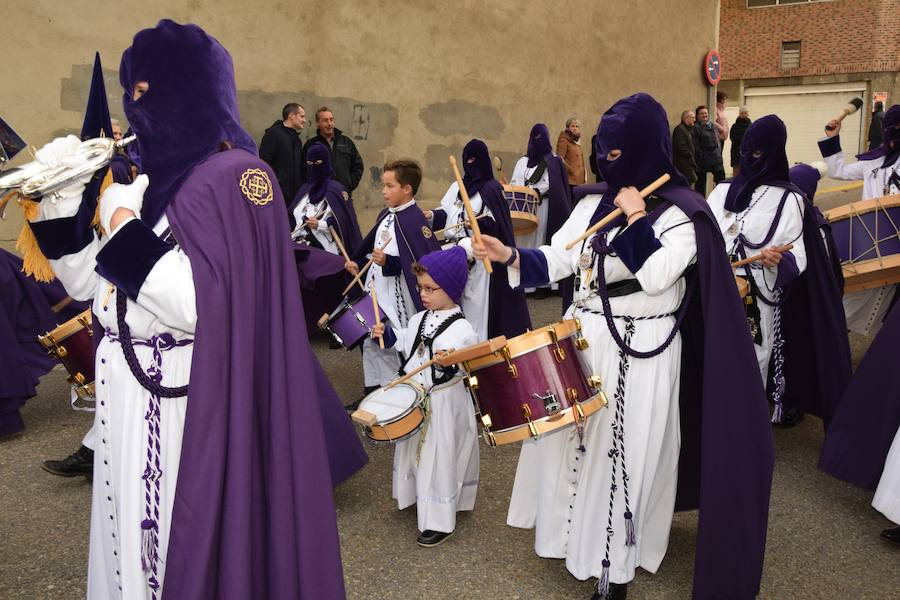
538	173
446	374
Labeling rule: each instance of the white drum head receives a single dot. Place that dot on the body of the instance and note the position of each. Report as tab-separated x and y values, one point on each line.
389	405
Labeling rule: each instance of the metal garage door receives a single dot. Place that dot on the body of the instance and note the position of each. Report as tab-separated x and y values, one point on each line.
805	109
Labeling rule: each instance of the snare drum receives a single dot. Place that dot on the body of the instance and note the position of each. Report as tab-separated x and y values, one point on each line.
533	384
351	322
868	243
390	415
71	344
523	204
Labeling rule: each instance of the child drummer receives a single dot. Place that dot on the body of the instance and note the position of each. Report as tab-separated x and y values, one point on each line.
399	238
437	467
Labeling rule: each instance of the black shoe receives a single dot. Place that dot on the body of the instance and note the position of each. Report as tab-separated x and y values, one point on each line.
80	462
430	539
541	294
617	591
891	535
790	417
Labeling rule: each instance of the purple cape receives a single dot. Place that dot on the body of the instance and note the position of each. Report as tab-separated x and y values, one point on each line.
322	281
863	428
560	196
25	313
253	514
338	199
414	240
890	148
507	310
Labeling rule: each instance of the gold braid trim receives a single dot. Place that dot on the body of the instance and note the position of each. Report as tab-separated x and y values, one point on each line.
34	263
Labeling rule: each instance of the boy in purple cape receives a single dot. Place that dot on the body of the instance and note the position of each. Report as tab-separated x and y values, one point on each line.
201	350
656	298
489	303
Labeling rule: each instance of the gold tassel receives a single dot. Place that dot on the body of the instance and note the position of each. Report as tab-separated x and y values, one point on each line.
34	263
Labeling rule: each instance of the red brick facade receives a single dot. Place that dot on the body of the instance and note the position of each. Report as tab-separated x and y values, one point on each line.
838	36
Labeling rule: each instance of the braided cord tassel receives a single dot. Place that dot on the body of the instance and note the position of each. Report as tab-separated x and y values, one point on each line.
778	375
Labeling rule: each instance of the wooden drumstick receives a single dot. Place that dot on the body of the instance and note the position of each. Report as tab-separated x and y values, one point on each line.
476	230
358	276
854	105
463	224
498	164
418	369
62	304
617	212
340	245
377	315
759	256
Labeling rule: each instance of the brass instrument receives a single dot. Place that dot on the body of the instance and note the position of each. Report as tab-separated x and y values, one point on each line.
35	179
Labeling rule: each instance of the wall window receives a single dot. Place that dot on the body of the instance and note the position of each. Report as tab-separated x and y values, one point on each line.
763	3
790	55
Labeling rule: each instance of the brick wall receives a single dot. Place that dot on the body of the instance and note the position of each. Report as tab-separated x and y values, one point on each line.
840	36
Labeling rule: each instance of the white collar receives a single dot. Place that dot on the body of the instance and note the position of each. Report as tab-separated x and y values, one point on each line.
396	209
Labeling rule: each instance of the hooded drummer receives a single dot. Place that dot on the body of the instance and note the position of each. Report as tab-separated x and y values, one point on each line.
879	169
667	334
210	477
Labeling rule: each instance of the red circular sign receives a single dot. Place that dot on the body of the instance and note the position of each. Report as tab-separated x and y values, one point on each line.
712	67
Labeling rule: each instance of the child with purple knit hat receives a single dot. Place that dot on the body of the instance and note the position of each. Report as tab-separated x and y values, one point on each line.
437	467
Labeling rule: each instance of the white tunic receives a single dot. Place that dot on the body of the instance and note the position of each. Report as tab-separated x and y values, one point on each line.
865	310
380	366
887	495
476	295
320	211
521	173
754	223
166	304
565	494
444	477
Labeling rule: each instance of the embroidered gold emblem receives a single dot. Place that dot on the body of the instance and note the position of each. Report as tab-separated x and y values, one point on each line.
346	196
256	186
427	232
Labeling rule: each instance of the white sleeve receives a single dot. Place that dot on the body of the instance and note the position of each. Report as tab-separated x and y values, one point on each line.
76	271
790	231
518	174
839	169
168	292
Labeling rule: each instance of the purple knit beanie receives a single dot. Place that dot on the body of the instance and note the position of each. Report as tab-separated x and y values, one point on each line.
449	269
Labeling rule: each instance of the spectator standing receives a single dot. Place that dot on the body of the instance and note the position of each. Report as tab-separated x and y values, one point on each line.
876	133
281	149
348	164
721	122
683	147
568	148
707	151
737	136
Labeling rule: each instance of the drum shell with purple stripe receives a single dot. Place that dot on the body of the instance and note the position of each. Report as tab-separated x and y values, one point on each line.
866	237
352	322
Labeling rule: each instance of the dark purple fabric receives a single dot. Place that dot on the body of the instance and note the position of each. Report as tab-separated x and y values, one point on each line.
636	244
865	424
477	166
765	136
319	171
253	515
322	282
121	169
25	313
817	361
507	309
410	229
629	125
890	147
338	199
133	151
177	131
96	115
560	196
129	256
538	144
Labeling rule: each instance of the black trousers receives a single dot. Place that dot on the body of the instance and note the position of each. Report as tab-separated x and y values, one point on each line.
718	173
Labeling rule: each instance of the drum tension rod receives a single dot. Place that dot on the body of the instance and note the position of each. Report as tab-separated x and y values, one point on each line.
532	428
512	369
580	341
558	352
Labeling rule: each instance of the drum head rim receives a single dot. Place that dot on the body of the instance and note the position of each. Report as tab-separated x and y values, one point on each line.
525	343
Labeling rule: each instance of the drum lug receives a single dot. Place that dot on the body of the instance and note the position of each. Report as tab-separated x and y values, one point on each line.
486	420
59	351
581	342
85	322
595	382
472	382
512	369
79	379
532	428
558	352
579	414
572	394
489	438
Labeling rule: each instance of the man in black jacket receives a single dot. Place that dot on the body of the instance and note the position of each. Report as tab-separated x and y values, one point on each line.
348	164
683	147
282	150
876	135
707	151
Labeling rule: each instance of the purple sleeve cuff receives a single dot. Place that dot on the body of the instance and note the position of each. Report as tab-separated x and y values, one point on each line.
533	268
129	256
390	338
787	270
439	220
635	244
830	146
392	267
